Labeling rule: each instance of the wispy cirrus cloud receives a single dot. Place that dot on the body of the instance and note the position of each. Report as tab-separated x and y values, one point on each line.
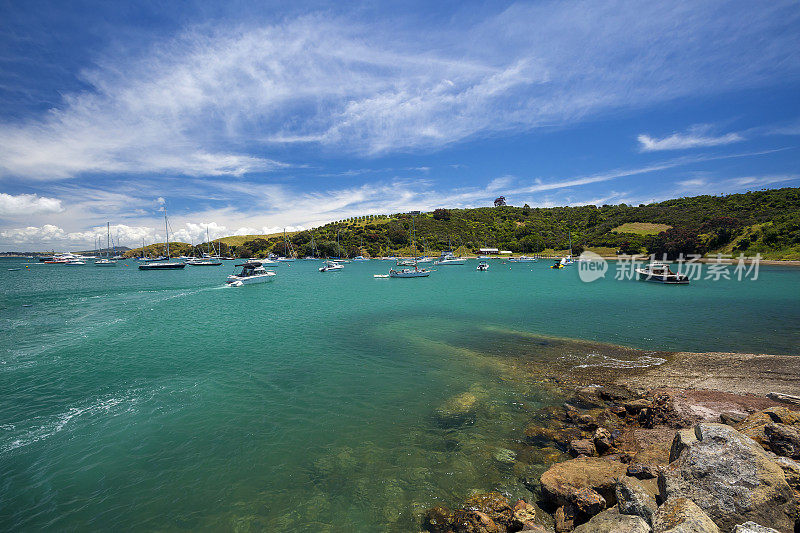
697	136
219	100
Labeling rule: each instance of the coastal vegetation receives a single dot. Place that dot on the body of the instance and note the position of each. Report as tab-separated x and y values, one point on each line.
765	222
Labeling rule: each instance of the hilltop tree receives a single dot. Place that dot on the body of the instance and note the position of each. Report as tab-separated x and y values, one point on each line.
441	214
500	201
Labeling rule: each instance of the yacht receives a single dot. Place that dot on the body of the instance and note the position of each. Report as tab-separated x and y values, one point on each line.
203	262
331	266
661	273
106	262
252	272
483	266
409	273
165	265
360	258
447	258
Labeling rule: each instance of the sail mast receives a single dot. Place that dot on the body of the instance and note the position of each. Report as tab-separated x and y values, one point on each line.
166	230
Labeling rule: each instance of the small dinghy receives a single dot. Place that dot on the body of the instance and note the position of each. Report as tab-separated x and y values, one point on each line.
483	266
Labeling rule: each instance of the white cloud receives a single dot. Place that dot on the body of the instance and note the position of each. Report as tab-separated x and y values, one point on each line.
28	204
696	137
197	104
709	185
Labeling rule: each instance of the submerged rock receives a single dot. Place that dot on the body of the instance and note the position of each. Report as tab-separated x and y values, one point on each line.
524	514
612	521
438	520
457	410
730	477
466	521
682	515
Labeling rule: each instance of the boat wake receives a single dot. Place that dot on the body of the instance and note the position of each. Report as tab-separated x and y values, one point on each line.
109	406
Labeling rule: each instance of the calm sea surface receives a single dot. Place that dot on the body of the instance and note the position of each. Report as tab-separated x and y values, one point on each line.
163	400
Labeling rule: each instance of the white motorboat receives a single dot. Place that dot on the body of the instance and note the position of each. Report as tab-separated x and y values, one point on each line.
252	272
285	259
310	258
661	273
360	258
105	263
447	258
523	259
201	262
424	260
331	266
409	273
567	261
75	262
483	266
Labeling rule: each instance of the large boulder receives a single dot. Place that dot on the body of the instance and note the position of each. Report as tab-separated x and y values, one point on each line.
633	499
681	515
612	521
562	482
752	527
730	477
754	426
783	440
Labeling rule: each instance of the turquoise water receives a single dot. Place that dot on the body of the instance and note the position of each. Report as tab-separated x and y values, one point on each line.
163	400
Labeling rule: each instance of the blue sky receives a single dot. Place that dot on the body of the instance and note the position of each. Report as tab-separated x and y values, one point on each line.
249	118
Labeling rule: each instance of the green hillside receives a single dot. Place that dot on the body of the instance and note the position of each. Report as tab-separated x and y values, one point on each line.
766	222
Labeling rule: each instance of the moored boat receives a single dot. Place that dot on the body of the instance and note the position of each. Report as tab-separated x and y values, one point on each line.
661	273
483	266
331	266
409	273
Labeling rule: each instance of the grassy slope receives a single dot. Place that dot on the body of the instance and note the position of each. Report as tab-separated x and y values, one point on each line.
641	228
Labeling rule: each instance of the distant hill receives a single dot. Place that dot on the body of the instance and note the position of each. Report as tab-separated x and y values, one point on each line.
765	222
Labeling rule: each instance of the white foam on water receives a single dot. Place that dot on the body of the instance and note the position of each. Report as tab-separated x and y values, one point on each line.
57	423
606	361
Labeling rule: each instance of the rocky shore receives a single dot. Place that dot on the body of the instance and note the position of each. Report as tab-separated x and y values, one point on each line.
692	445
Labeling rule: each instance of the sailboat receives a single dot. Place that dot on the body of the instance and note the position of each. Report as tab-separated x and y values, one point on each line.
165	265
416	272
339	259
313	256
209	259
287	249
360	257
106	262
567	261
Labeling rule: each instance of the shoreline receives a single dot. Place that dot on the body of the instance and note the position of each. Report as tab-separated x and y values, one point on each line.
620	426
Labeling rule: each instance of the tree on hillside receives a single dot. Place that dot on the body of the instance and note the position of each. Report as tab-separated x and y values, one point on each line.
500	201
441	214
